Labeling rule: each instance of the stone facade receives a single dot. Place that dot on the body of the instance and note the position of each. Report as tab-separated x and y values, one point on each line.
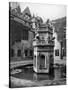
59	54
57	47
20	33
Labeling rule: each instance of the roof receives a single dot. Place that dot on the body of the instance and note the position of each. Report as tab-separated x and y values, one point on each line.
26	11
44	25
26	44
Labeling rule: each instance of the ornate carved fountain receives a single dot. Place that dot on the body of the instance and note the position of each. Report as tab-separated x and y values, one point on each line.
43	44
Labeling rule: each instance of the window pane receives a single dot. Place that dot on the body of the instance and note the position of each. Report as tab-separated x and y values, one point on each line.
57	52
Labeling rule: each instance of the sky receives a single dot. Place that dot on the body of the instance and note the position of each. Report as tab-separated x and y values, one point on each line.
46	11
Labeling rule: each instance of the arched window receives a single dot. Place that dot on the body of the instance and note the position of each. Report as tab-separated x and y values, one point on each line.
57	52
26	52
19	53
31	52
11	52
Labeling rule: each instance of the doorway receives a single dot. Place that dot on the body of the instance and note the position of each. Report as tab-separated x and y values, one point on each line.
42	62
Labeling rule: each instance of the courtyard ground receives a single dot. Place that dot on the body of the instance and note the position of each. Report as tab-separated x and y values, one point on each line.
15	82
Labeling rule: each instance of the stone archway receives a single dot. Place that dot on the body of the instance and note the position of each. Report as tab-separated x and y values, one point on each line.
42	61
